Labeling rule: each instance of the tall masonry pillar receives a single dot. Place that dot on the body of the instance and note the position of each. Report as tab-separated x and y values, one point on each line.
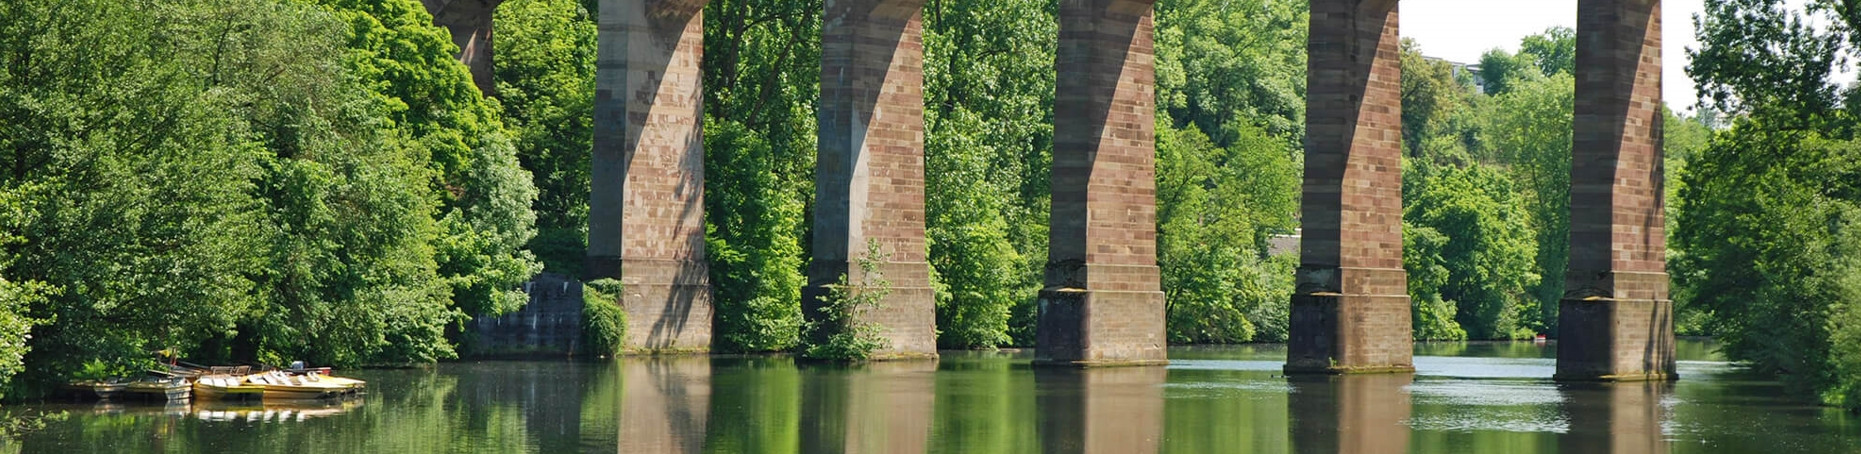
870	169
646	211
469	21
1103	301
1616	321
1350	310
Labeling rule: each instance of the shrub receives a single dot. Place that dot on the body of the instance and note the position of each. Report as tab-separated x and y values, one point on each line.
840	331
604	323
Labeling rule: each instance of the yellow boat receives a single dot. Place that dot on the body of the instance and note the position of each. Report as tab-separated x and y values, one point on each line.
352	384
226	387
281	386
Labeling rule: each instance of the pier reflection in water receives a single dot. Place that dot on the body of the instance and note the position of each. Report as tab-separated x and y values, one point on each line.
1614	418
1464	398
1116	410
1350	414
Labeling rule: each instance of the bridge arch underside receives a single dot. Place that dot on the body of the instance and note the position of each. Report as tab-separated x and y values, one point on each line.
1103	304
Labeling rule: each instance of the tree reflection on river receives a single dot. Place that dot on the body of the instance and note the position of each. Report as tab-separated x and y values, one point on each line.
1481	397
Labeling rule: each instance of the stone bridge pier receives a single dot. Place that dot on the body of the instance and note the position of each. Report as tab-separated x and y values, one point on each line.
1350	309
1103	300
1616	321
869	171
646	211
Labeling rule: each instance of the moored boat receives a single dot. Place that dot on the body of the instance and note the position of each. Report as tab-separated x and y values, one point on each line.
281	386
353	385
95	389
226	387
171	389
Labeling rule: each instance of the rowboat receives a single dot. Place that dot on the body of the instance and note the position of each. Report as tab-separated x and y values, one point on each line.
226	387
281	386
159	389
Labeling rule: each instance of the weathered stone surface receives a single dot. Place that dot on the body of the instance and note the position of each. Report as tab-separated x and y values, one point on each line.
1351	308
1101	410
548	326
1349	334
470	24
1615	340
1099	328
1103	237
646	209
869	174
1616	322
1350	414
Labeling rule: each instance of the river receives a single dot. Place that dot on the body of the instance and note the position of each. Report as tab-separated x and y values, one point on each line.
1473	398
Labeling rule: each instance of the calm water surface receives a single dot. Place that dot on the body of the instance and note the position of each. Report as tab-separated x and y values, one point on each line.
1464	398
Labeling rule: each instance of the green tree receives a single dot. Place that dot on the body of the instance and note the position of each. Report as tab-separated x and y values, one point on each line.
1555	50
1765	231
1498	70
545	80
755	267
1216	209
1432	101
1431	317
762	79
1528	130
1225	65
128	188
485	212
988	94
1489	248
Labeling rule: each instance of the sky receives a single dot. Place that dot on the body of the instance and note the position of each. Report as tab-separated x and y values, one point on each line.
1461	30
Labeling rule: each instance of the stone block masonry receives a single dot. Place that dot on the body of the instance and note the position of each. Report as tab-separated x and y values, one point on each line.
548	326
1616	321
646	209
869	176
1350	311
1103	303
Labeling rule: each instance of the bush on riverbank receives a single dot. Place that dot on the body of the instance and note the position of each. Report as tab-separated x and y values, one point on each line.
604	322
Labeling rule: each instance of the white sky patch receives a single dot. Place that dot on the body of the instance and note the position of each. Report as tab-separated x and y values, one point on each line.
1462	30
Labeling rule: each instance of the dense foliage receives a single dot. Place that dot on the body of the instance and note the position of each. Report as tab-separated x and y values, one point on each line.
1766	237
762	70
246	180
604	323
545	82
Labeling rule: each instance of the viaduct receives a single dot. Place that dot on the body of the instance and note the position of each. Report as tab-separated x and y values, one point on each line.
1103	304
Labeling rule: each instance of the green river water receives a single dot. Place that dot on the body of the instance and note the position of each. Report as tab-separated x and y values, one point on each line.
1464	398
